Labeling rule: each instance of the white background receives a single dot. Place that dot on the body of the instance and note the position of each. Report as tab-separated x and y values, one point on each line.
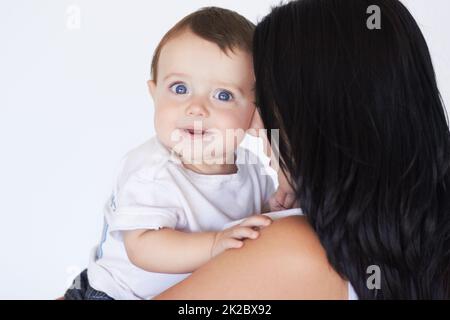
73	101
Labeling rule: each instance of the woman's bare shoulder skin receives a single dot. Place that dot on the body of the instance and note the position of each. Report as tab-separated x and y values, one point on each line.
287	261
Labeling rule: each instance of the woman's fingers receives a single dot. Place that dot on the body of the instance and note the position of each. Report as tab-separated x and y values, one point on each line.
280	197
289	200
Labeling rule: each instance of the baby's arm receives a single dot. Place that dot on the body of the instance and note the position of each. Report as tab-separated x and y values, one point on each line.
168	250
172	251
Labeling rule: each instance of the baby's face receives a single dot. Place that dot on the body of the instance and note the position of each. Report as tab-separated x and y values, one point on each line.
204	98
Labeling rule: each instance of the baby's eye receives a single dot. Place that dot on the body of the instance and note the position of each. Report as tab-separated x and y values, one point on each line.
223	95
178	88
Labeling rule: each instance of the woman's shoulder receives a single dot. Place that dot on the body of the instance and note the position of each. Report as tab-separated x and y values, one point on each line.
294	233
294	227
294	243
287	261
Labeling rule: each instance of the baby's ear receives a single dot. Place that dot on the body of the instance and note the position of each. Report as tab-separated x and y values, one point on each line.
151	87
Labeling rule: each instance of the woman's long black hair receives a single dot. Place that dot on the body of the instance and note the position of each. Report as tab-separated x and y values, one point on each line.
365	138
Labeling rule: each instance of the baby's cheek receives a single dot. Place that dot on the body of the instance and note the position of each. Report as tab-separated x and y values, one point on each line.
233	132
165	129
234	119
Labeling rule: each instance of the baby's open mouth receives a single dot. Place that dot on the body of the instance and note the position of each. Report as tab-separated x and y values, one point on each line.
195	133
192	131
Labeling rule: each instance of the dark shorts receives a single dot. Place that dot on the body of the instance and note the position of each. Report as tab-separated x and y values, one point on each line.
81	290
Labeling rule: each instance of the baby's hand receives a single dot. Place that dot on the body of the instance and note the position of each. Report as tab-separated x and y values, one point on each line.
233	237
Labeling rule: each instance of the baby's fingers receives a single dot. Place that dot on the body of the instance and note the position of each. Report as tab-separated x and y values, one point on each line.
230	243
258	220
241	232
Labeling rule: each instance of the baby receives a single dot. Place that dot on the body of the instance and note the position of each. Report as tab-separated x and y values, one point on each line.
175	192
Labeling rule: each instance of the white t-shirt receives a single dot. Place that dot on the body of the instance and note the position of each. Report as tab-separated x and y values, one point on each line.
154	190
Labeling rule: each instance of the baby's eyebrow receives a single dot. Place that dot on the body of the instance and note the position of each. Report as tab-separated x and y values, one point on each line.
175	74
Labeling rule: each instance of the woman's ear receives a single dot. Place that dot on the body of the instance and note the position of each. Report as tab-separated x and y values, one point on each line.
151	88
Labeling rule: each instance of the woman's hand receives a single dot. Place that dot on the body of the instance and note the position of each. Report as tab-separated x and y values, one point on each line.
233	237
282	200
285	197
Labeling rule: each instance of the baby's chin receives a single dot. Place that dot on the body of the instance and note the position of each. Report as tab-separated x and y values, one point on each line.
204	152
202	145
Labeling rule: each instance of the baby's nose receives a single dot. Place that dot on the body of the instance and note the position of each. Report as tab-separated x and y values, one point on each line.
197	110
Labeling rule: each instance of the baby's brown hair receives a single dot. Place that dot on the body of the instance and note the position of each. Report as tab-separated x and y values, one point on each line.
227	29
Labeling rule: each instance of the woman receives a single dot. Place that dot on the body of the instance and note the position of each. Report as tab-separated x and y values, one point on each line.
365	140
